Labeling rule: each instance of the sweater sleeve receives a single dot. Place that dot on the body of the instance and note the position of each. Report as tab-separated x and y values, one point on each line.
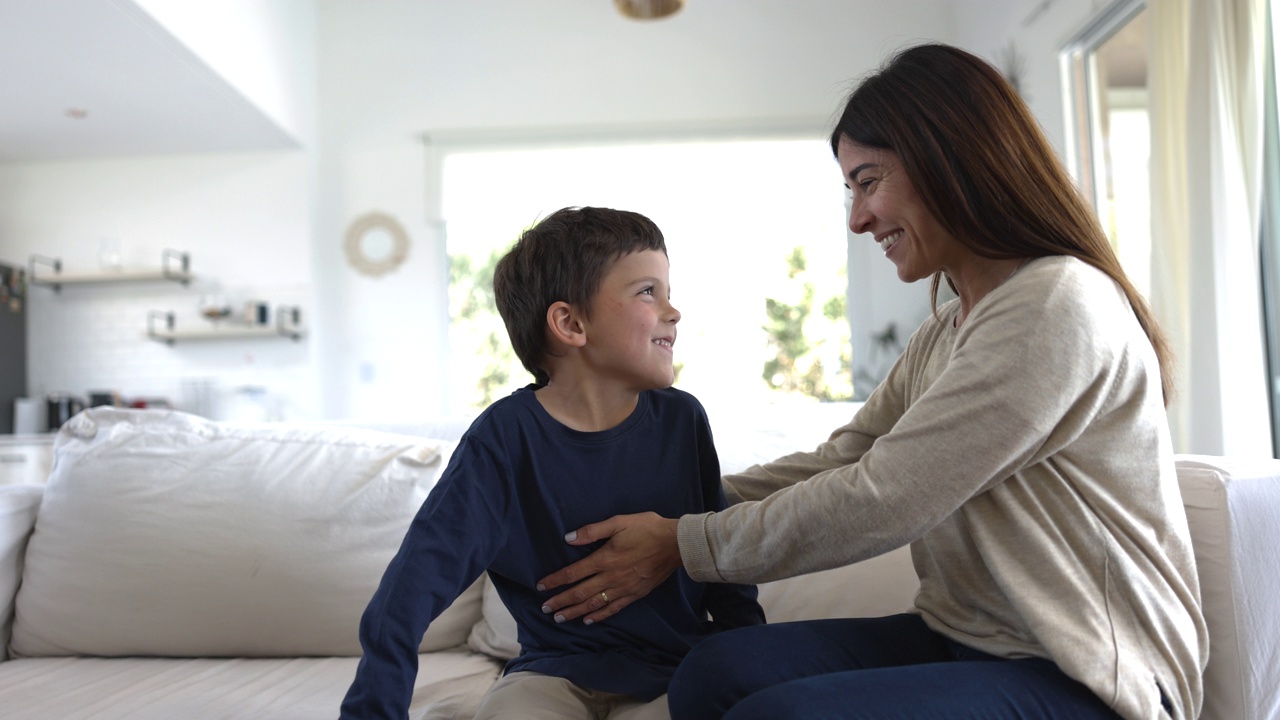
1027	373
452	539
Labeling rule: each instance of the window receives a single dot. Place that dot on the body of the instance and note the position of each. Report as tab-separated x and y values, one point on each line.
1270	235
746	222
1110	131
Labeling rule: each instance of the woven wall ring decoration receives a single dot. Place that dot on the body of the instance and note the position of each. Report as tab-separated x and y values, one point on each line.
376	244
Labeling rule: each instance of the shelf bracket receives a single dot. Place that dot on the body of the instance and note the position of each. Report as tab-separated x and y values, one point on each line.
184	261
168	323
55	263
289	321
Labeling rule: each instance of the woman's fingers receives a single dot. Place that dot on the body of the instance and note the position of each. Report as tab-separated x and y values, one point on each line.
641	552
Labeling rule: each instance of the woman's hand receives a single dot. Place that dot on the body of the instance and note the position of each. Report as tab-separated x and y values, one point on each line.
641	552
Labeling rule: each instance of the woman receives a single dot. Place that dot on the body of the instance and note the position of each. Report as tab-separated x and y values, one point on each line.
1019	446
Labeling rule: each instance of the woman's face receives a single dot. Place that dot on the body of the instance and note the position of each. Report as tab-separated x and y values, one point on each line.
885	204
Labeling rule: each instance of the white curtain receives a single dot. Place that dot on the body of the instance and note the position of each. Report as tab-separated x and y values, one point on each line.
1167	98
1206	93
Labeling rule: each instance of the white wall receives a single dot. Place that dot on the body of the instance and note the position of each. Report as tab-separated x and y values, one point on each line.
1037	31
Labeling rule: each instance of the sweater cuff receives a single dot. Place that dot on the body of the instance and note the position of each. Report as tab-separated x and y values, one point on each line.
693	533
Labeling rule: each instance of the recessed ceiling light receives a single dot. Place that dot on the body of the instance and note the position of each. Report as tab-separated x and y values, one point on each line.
76	113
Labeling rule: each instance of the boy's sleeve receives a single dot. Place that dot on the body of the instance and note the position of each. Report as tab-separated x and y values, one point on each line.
452	539
733	605
730	604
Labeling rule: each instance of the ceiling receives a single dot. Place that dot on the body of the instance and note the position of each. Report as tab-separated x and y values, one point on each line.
101	78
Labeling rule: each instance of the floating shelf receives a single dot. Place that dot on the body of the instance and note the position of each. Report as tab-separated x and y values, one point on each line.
175	266
288	324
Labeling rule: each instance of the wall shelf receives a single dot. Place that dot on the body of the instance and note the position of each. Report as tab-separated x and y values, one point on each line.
175	266
288	325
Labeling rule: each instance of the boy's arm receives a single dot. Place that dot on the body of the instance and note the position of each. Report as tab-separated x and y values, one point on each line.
732	605
452	539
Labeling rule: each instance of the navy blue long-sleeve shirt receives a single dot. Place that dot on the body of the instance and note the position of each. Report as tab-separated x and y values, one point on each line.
517	482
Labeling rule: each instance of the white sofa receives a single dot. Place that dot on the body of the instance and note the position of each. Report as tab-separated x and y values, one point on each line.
177	568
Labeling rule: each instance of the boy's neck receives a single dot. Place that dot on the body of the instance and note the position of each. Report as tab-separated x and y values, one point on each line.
587	407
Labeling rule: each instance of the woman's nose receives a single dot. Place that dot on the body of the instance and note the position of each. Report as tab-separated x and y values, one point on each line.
859	217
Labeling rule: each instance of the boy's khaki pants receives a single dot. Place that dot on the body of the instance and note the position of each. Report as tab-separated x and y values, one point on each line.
534	696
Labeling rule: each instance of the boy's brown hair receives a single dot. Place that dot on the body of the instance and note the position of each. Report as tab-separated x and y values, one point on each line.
564	257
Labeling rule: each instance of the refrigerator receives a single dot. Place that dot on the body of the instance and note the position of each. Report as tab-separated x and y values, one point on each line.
13	341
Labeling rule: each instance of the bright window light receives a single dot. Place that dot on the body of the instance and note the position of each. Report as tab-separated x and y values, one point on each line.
733	214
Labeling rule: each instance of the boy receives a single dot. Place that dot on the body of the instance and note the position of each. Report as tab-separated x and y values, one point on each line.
585	298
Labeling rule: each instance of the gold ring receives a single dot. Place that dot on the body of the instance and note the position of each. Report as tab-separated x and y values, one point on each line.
604	596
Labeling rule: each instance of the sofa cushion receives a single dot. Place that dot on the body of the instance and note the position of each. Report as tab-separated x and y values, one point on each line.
449	685
18	507
883	585
495	633
165	534
1233	512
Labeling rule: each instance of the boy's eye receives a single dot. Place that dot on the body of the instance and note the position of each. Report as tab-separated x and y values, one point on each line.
647	291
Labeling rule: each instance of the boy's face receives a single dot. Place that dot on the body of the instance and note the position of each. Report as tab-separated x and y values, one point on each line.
632	328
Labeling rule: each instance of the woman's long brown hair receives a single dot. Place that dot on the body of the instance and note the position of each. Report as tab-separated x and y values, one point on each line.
982	166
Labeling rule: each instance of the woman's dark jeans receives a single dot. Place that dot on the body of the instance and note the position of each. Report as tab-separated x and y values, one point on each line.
881	668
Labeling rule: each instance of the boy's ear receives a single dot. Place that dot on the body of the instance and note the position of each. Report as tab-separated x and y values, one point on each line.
564	325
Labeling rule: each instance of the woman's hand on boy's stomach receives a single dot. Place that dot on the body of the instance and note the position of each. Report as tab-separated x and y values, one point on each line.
640	553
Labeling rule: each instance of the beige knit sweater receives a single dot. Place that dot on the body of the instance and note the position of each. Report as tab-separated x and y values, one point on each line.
1026	458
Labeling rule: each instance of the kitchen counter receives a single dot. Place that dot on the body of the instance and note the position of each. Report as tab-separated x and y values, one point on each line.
25	458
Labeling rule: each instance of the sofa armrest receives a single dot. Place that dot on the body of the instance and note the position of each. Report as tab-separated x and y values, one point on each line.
18	507
1233	512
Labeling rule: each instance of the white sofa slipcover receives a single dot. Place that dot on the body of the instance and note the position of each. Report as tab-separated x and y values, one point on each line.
174	567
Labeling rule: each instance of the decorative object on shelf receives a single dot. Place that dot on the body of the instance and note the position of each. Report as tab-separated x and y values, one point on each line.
648	9
1013	65
109	256
13	286
29	416
255	312
110	398
174	265
161	327
61	408
376	244
214	308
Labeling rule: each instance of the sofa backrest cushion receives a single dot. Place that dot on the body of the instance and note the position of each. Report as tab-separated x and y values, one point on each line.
164	534
1233	512
18	507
